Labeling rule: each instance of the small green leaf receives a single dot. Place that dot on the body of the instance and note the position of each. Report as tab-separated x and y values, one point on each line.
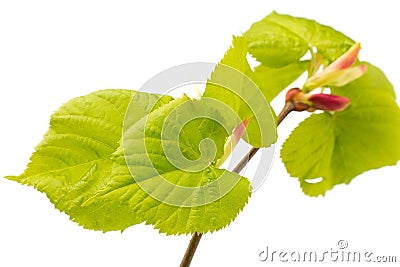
279	40
240	98
338	147
274	80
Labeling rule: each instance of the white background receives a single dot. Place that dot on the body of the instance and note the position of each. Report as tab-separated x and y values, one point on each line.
51	51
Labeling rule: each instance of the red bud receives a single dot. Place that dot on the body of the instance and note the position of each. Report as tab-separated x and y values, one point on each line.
328	102
291	93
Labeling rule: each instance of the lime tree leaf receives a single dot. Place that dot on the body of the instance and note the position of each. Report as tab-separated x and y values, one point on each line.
73	162
176	186
272	81
231	83
105	184
279	40
338	147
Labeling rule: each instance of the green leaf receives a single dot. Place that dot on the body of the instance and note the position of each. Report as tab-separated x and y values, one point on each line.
279	40
73	162
338	147
170	180
274	80
176	186
240	98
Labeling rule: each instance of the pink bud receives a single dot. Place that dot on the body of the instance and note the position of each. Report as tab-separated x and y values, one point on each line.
346	60
348	75
239	131
311	102
328	102
340	72
233	140
291	94
298	98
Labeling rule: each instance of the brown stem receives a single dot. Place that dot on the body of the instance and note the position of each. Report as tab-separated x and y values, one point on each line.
191	249
194	241
289	107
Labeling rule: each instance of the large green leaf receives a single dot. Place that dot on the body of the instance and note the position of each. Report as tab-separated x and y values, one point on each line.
337	147
279	40
240	98
73	162
82	165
